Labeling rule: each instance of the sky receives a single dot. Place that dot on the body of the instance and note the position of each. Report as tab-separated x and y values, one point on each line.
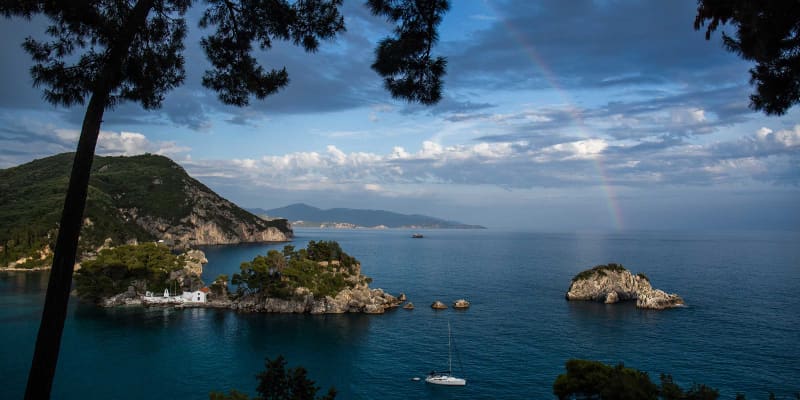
605	115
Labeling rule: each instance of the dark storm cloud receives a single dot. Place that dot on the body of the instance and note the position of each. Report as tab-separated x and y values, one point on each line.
533	45
15	80
591	44
338	77
450	107
24	140
647	147
722	101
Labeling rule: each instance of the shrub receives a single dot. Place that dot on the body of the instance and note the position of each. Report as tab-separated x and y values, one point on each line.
131	265
599	270
322	267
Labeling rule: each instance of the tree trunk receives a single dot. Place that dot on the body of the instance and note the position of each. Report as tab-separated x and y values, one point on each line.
48	340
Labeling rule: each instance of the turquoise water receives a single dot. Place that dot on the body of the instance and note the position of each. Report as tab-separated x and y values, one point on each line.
739	333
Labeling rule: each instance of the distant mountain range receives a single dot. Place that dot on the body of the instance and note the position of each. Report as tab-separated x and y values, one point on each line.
303	215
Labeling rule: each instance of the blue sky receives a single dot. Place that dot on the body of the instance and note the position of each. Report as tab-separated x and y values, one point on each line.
579	115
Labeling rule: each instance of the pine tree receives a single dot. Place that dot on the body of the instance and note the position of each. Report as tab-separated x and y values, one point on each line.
112	51
767	32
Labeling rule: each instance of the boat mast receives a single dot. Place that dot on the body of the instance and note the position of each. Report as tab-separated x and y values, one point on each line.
449	351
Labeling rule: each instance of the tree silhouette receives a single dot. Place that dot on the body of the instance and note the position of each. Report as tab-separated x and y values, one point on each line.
767	32
112	51
595	380
278	383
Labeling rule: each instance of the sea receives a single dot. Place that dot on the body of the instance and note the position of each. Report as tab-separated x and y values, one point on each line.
739	331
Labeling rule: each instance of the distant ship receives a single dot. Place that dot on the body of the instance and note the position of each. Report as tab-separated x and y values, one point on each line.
417	236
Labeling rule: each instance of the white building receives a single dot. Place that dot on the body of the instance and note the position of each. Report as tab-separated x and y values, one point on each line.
198	296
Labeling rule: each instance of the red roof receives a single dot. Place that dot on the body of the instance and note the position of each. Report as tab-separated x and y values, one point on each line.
205	290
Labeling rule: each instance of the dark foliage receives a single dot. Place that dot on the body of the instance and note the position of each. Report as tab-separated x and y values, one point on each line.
768	33
86	36
145	265
595	380
598	381
322	267
278	383
405	61
600	270
236	74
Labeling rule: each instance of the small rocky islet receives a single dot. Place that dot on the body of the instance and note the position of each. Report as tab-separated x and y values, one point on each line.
612	283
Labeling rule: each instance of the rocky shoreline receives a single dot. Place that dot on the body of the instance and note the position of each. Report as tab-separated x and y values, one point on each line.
360	299
613	283
357	297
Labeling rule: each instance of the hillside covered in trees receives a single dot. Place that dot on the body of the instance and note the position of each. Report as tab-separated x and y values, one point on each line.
140	198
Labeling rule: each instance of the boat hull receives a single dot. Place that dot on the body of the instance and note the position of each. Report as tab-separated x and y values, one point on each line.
445	380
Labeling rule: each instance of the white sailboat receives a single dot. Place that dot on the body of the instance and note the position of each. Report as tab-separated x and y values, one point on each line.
446	377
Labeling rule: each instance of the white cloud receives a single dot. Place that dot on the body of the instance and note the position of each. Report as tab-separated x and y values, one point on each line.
67	135
684	116
246	163
786	138
577	150
520	164
133	143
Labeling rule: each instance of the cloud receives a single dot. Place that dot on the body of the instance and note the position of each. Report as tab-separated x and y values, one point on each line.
132	143
578	150
765	156
29	139
337	77
765	142
528	46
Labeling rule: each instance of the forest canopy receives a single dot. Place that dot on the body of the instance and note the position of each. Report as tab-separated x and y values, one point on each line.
322	267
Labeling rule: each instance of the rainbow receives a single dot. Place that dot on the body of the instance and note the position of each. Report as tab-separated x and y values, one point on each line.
614	211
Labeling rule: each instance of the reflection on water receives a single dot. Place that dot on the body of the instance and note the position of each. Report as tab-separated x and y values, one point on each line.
590	312
22	282
22	295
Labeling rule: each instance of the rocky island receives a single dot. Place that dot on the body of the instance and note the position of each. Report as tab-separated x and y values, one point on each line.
320	279
612	283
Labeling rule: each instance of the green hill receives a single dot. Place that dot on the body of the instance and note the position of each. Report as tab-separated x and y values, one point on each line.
140	198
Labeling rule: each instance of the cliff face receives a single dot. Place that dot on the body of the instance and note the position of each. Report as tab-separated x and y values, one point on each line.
613	283
359	299
211	220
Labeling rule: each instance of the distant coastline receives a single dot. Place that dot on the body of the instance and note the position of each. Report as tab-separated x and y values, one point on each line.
306	216
345	225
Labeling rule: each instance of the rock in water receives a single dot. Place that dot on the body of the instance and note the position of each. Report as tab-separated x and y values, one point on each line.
438	305
461	303
613	283
658	300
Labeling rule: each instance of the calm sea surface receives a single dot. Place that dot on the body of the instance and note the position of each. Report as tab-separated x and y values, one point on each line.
739	333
